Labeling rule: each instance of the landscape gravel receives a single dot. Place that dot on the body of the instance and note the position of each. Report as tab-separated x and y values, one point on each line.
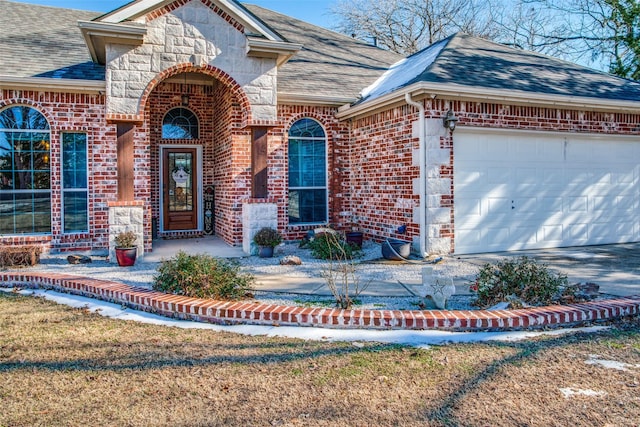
369	267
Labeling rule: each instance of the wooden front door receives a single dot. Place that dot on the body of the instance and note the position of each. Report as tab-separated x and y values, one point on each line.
179	187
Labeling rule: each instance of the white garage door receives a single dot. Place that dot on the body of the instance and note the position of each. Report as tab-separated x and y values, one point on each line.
527	190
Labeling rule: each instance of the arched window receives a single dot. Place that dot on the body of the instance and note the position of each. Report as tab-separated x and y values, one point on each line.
25	173
180	123
307	173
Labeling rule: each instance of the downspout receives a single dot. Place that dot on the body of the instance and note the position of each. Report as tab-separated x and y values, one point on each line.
424	250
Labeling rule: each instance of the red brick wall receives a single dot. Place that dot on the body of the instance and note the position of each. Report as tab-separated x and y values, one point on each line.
381	173
378	183
74	113
337	137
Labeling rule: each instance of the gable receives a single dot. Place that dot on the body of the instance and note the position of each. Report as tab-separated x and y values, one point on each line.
468	67
230	10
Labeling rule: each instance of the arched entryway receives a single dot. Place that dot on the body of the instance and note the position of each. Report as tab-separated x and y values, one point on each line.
199	169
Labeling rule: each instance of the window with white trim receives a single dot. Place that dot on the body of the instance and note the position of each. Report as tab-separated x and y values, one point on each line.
180	123
25	171
307	173
75	193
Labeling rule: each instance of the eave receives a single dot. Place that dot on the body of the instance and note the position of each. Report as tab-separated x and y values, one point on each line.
280	50
98	34
468	93
95	87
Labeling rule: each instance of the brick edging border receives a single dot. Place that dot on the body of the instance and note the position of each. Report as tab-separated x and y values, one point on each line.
225	312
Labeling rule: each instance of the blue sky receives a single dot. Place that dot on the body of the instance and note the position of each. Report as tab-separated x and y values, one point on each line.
313	11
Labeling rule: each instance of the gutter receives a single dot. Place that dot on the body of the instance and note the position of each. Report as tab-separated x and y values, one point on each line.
96	87
456	91
424	250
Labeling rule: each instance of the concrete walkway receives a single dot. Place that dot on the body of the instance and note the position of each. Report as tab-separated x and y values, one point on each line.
616	268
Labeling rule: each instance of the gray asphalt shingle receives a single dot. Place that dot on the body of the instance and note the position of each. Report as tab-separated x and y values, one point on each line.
42	41
478	63
329	63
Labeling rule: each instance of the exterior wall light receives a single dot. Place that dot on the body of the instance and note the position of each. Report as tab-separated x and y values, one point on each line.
185	94
450	121
185	99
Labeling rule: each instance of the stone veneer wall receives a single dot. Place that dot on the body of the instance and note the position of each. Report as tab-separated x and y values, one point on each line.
380	184
81	113
188	32
123	217
257	214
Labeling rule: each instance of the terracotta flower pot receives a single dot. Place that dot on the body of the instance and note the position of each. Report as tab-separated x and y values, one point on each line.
126	256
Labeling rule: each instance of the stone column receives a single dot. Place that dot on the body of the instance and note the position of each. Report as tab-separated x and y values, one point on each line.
123	217
256	214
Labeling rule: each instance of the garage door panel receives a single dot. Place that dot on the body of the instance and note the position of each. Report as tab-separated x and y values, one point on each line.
519	191
576	204
470	208
578	232
526	235
496	175
553	233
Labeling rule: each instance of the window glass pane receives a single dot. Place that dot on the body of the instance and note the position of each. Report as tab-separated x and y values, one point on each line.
74	158
22	117
6	212
307	172
76	214
307	206
180	123
74	181
25	179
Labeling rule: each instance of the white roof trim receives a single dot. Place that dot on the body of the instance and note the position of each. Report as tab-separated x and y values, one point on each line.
456	91
136	9
54	85
280	50
96	33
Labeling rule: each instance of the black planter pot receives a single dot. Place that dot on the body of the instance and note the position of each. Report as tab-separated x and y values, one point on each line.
396	250
354	238
126	257
265	251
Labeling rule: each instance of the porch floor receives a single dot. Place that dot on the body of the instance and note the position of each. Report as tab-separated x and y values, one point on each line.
209	245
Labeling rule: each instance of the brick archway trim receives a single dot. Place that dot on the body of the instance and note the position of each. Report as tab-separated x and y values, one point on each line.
188	67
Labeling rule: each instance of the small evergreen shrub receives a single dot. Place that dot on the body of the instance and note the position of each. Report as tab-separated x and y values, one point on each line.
520	279
126	239
332	246
267	237
202	276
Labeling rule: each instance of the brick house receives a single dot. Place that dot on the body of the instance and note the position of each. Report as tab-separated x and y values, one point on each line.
177	119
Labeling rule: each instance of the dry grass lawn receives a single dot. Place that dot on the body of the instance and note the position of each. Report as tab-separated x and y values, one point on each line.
66	367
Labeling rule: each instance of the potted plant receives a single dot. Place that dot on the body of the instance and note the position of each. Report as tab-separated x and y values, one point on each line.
267	238
126	251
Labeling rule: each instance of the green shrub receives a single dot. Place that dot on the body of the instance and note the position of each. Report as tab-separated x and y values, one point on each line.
520	279
332	246
202	276
267	237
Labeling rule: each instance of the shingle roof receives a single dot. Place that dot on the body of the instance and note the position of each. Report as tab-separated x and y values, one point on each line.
42	41
329	63
470	61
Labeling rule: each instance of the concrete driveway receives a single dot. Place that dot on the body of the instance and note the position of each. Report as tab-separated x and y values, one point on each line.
616	268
